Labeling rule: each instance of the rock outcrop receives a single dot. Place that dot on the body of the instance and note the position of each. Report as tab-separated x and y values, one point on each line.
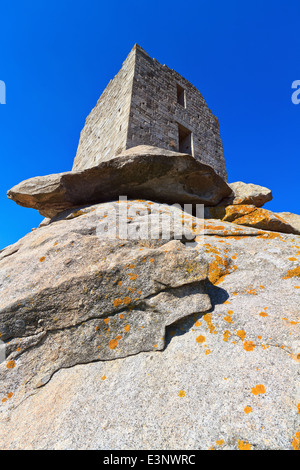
292	219
167	342
252	216
248	193
135	323
141	172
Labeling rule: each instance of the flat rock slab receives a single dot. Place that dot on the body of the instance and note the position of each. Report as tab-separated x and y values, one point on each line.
142	172
252	216
248	193
292	219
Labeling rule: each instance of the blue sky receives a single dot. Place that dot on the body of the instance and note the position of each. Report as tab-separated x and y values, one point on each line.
57	57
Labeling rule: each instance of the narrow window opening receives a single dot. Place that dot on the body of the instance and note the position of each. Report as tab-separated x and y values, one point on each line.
185	140
181	96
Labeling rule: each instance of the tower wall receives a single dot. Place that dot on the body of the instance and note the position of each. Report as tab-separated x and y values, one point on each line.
157	116
105	132
150	104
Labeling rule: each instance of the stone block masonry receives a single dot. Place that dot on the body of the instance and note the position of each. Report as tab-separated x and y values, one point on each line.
150	104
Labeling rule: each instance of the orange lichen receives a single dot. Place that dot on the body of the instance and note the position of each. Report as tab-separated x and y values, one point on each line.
121	316
298	407
218	269
241	334
248	409
126	300
228	317
250	291
226	335
293	259
113	343
207	318
258	389
130	266
133	276
42	259
292	322
249	346
106	320
181	393
117	302
263	314
244	445
293	273
200	339
103	377
296	441
11	364
270	235
211	249
220	442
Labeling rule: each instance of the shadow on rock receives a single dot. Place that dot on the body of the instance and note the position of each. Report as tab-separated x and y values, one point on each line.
217	296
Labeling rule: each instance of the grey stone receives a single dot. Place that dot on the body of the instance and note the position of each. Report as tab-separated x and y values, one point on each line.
252	216
142	172
142	106
291	219
248	193
216	367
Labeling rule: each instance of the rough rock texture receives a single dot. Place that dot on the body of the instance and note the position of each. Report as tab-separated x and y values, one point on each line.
252	216
150	344
141	106
292	219
143	172
244	193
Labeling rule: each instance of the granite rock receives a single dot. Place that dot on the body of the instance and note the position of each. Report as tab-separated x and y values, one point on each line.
252	216
247	193
215	368
141	172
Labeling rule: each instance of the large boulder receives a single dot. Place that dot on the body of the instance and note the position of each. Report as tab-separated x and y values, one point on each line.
247	193
169	342
141	172
290	218
252	216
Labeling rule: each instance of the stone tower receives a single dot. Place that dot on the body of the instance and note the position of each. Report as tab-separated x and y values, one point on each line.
149	104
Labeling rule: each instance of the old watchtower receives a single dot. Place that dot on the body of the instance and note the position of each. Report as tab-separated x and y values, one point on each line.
149	104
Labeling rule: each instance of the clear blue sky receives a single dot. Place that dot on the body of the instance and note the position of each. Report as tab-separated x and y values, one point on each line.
57	57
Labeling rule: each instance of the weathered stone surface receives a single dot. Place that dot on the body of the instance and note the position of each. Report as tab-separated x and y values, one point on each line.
140	106
292	219
244	193
141	172
79	296
252	216
262	219
222	377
